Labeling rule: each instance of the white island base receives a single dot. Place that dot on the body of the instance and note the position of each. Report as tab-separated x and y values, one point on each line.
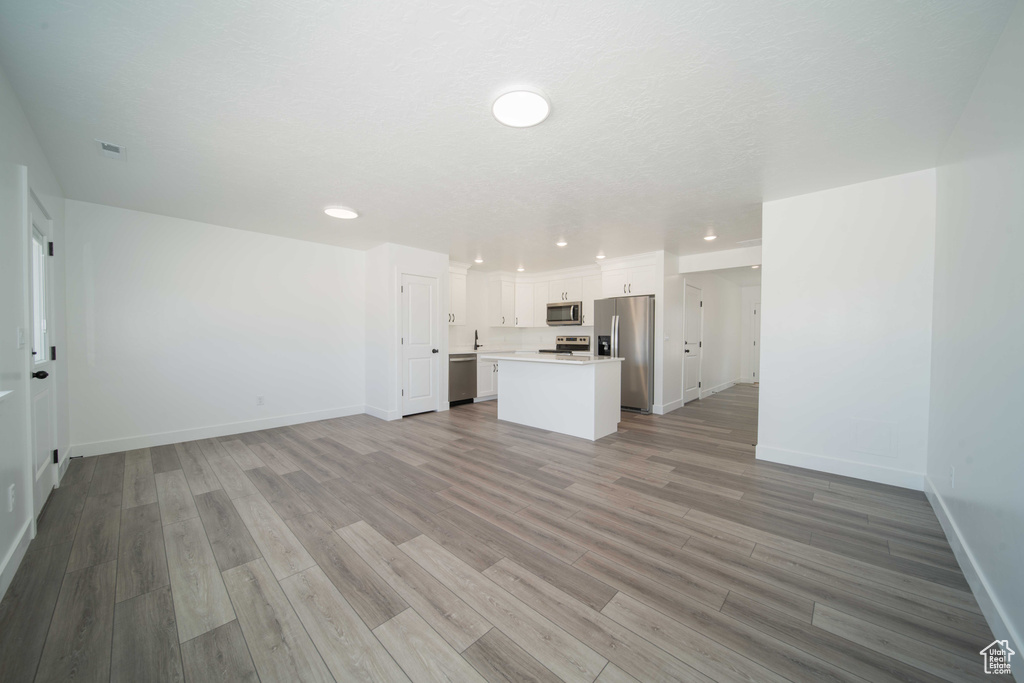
575	397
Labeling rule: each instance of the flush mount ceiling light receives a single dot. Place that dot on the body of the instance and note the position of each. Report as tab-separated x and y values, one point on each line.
341	212
520	269
521	109
710	237
561	243
478	260
600	256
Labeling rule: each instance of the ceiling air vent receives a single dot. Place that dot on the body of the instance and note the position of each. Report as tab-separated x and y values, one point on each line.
110	150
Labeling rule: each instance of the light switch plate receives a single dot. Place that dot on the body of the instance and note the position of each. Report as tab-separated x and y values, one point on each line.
21	337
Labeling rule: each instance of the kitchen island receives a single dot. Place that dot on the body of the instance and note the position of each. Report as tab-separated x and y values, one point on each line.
574	395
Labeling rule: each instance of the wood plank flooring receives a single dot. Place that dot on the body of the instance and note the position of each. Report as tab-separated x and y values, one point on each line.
452	546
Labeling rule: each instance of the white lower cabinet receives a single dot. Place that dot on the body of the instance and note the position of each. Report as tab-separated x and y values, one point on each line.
486	379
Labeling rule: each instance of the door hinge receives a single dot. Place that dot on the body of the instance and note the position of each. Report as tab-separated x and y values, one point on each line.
56	459
50	247
403	340
53	353
403	392
755	343
700	345
698	385
403	288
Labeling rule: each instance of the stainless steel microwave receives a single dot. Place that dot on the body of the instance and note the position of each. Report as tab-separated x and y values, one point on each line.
565	313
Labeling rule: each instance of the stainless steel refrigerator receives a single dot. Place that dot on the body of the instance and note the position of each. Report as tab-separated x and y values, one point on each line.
624	327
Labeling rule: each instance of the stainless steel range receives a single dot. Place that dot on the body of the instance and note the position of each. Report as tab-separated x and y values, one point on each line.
570	345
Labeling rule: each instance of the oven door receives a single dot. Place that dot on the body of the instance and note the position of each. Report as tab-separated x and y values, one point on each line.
568	313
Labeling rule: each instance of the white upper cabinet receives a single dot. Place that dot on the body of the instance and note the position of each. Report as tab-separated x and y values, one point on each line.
540	304
614	282
642	280
592	285
570	289
457	290
502	302
629	281
524	304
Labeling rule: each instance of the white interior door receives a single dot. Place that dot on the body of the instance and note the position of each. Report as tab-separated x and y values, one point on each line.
693	346
420	345
755	333
42	383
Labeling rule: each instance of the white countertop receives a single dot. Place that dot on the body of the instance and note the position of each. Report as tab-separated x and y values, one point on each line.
480	352
549	358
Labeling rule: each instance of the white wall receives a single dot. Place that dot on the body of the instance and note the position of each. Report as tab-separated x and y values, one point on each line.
723	317
846	292
175	327
19	149
748	297
672	369
385	265
977	372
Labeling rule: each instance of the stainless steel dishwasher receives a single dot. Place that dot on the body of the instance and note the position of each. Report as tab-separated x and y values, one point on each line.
461	376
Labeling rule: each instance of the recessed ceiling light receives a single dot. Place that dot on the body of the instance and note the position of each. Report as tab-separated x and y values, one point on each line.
755	267
710	237
341	212
520	269
561	243
521	109
600	256
478	260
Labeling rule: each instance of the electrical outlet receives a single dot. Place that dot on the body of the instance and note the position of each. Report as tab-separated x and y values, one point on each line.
10	498
952	480
259	400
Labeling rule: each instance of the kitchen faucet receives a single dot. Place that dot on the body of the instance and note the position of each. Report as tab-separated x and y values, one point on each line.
476	340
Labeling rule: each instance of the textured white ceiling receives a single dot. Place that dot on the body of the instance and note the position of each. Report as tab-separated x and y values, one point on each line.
668	117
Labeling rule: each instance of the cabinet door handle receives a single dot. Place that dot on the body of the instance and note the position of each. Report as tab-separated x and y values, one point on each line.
630	287
502	320
623	289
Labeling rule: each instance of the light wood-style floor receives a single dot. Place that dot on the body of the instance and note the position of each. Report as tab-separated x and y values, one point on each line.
451	546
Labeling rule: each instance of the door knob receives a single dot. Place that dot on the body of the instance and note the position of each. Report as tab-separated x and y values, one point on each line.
41	374
433	350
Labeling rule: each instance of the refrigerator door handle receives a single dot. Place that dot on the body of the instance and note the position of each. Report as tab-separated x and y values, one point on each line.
615	336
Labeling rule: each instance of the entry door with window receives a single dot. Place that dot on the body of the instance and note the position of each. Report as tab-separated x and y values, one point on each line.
693	346
420	345
41	364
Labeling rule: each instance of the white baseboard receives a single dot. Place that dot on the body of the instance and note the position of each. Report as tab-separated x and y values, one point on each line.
847	468
382	414
213	431
704	393
997	617
667	407
14	557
